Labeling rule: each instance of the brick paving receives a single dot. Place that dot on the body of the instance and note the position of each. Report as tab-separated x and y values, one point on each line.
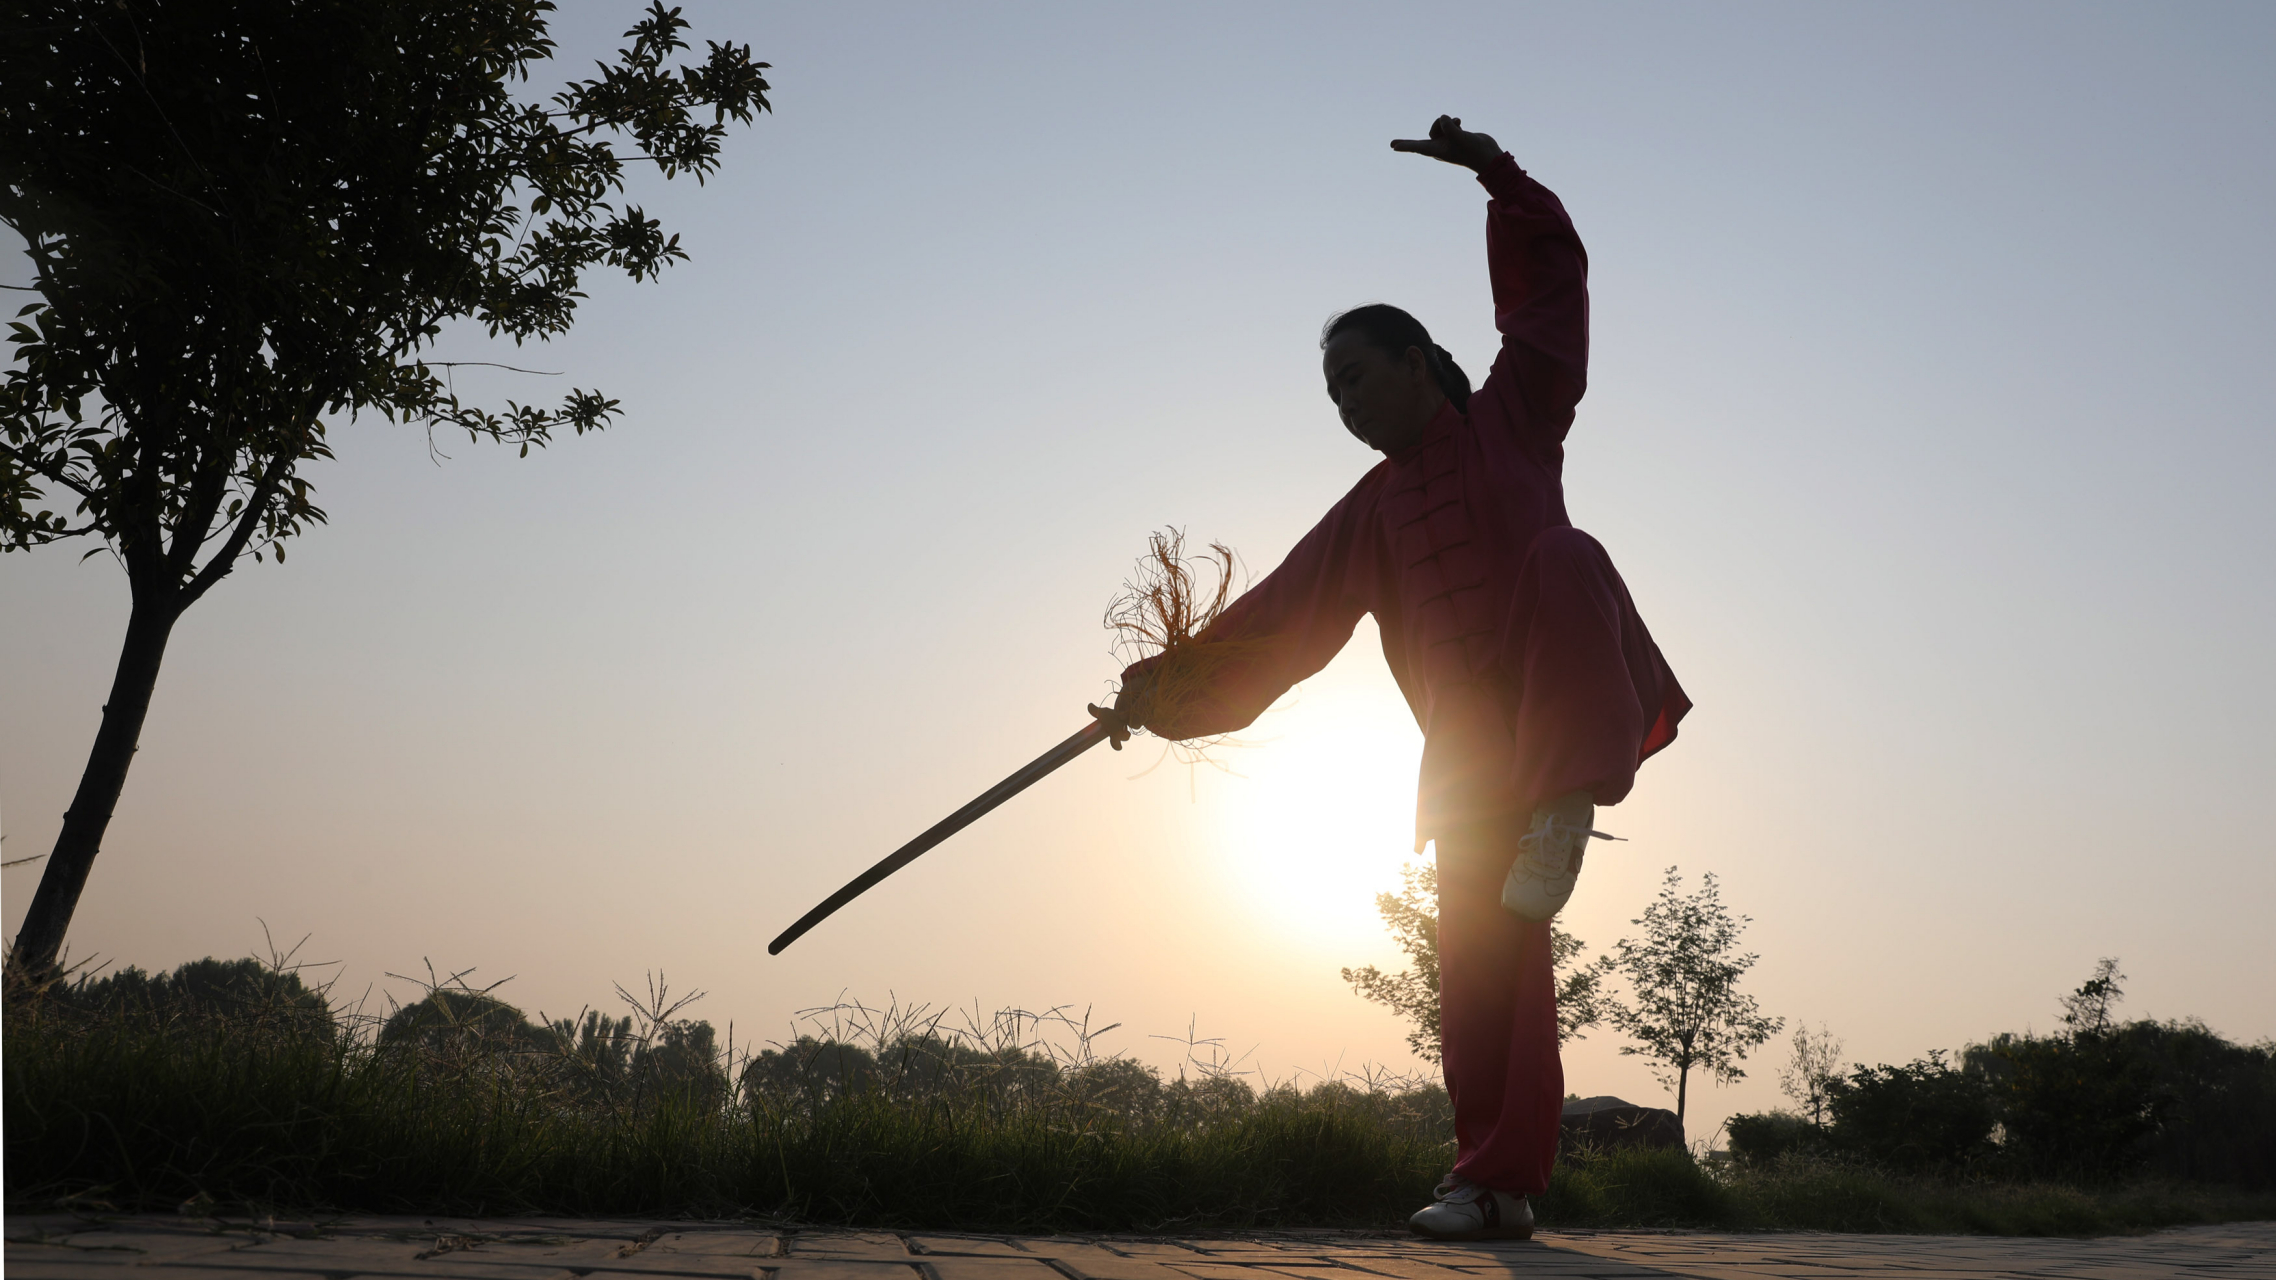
66	1247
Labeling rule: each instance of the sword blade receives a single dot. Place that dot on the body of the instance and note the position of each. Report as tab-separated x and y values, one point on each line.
1092	734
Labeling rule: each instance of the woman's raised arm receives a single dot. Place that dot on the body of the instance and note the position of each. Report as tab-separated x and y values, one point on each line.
1540	279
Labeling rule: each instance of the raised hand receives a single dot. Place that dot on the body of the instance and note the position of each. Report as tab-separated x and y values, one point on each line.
1450	142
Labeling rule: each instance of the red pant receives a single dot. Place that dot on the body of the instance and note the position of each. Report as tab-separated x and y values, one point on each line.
1591	698
1497	1003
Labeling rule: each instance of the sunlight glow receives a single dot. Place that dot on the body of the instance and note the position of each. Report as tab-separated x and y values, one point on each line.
1323	815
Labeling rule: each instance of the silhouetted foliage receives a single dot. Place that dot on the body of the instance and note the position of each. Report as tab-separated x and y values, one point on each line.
459	1113
450	1020
1412	993
458	1101
1924	1115
2172	1096
242	991
1688	1012
2098	1100
810	1073
1766	1137
1119	1086
246	218
1808	1077
2086	1011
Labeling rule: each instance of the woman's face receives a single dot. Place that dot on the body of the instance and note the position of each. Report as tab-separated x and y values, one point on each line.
1383	400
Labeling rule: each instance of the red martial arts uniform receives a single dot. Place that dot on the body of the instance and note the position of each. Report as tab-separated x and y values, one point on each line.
1517	647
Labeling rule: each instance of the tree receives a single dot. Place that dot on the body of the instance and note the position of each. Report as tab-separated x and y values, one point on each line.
248	218
463	1023
2086	1011
1809	1077
2088	1099
1412	993
1684	974
246	992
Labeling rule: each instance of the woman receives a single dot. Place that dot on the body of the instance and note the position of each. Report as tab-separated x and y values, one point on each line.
1538	689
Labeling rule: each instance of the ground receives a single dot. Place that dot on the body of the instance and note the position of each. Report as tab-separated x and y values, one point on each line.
158	1247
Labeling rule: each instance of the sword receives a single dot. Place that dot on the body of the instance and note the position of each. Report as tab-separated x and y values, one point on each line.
1108	725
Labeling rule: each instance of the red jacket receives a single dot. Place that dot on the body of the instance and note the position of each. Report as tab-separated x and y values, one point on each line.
1432	541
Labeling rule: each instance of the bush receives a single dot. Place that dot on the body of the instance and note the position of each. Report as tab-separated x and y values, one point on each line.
2218	1121
1762	1139
1925	1115
1635	1187
1822	1193
2172	1097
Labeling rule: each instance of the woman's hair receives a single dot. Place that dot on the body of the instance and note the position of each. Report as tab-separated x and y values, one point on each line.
1392	331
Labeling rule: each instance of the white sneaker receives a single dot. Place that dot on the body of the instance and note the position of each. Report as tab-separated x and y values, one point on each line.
1466	1211
1549	863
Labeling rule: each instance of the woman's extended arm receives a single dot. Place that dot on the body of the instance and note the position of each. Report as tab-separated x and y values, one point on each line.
1540	279
1280	631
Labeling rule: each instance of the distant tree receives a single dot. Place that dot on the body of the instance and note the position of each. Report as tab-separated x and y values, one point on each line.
1122	1086
1580	987
809	1073
238	991
1810	1075
1412	993
246	218
2091	1099
1206	1099
1684	976
463	1023
680	1061
2086	1011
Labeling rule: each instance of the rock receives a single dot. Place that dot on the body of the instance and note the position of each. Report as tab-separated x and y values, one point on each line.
1608	1122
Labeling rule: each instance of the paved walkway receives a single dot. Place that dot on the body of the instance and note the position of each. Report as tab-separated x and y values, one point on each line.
57	1247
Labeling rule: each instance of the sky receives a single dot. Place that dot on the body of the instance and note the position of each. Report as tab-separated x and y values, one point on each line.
1929	424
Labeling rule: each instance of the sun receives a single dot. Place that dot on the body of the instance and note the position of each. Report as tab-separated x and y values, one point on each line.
1322	818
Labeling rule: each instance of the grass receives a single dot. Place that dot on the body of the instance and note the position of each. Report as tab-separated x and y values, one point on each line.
1668	1188
882	1119
981	1129
138	1121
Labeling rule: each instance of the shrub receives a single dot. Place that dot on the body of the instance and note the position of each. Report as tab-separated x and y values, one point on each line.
1923	1115
1635	1187
2173	1097
2218	1123
1762	1139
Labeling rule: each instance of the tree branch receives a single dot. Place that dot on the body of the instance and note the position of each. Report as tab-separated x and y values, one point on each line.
226	559
206	493
488	364
45	470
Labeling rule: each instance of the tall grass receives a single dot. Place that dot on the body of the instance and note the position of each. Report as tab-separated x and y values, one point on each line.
446	1108
241	1090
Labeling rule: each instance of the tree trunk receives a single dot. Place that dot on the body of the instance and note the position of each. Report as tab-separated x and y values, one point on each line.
40	940
1682	1082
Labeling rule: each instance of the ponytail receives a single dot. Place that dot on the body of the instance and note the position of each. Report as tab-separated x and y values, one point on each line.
1392	331
1451	379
